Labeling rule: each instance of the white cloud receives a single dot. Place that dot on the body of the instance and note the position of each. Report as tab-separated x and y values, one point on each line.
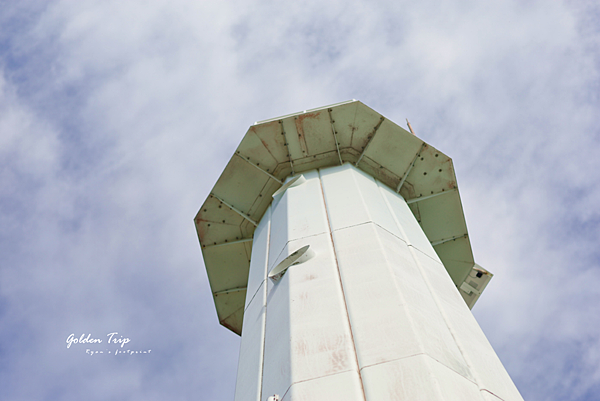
117	118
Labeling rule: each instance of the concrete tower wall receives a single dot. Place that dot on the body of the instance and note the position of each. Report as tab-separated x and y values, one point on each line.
373	315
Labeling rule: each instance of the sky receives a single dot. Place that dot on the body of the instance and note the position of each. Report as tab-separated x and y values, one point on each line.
117	118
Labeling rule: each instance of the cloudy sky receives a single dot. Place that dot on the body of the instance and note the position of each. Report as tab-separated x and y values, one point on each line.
117	117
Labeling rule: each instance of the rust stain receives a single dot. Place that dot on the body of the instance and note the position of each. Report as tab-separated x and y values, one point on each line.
339	360
201	231
309	277
299	121
301	348
275	134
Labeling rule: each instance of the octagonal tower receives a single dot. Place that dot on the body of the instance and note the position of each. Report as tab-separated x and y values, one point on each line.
336	246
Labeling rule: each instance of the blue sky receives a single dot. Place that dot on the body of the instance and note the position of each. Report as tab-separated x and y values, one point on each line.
116	119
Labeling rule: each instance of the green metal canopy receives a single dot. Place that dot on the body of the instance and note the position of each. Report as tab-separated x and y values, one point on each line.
347	132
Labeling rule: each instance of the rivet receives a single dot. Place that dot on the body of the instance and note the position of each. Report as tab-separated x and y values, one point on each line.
219	206
421	158
209	224
440	170
425	173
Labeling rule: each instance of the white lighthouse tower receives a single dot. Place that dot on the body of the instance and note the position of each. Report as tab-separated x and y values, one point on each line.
336	246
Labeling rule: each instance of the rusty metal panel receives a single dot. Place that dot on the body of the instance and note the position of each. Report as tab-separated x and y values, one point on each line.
364	124
240	185
271	136
432	172
210	226
417	378
314	129
234	260
441	217
393	147
256	151
307	334
343	121
230	313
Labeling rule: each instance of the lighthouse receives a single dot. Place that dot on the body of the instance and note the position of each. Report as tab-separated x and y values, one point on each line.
336	245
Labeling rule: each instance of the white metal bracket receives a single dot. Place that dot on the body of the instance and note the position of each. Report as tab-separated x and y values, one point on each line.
300	256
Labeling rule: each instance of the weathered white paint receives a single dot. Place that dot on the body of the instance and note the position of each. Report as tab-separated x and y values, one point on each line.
373	315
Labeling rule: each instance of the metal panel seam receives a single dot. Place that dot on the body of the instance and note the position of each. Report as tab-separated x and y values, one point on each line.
254	295
314	378
427	355
262	357
405	176
295	239
247	160
488	391
287	146
370	139
374	223
437	302
335	138
342	287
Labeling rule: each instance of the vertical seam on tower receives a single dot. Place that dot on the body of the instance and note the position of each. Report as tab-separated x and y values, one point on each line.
433	295
266	284
362	387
